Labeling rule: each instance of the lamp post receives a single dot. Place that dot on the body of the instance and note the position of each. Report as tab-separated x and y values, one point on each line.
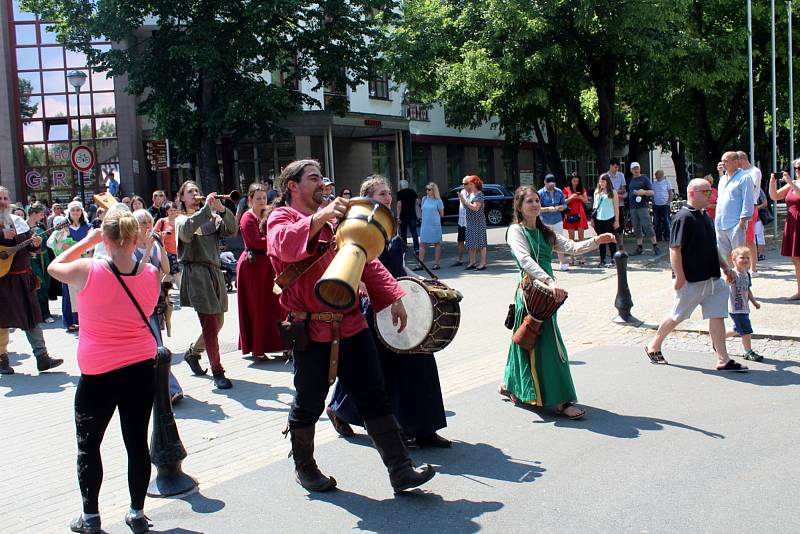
76	79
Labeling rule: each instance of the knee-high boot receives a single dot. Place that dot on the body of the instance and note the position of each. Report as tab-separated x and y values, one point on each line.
385	433
306	471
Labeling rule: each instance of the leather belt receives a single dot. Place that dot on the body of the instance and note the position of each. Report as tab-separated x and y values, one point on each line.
336	322
23	271
256	252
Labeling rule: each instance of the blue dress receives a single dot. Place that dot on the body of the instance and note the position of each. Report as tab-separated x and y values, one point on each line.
67	316
431	230
412	380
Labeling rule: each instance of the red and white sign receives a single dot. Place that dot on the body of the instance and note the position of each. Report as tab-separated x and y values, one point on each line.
82	158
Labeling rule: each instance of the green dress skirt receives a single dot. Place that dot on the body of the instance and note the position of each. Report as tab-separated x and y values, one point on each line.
540	376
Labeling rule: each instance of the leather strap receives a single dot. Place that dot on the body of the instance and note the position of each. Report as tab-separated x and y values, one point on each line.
295	270
336	322
23	271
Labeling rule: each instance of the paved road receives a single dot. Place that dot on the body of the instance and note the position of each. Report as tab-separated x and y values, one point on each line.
670	478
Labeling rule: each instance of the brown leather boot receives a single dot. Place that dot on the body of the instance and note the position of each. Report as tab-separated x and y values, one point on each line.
306	471
45	362
385	433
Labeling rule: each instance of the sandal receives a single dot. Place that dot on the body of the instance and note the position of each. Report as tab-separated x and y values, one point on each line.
507	394
482	268
656	357
733	366
72	328
469	267
436	267
562	411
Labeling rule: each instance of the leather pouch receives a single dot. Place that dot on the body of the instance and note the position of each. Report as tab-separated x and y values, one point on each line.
294	334
512	311
528	332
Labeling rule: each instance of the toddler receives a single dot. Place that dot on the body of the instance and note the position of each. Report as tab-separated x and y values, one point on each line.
741	296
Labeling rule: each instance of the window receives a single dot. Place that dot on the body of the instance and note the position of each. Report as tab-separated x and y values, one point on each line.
570	166
455	161
379	86
381	159
486	163
420	156
590	172
416	112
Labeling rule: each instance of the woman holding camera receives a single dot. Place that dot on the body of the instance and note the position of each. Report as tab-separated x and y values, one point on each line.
116	353
790	193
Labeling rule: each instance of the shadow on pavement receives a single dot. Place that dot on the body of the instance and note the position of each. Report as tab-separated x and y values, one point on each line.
201	505
757	377
175	531
20	384
191	408
411	512
481	460
613	424
249	393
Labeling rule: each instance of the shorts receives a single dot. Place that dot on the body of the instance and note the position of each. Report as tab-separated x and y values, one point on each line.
727	240
711	294
462	234
750	237
741	323
641	222
760	233
557	228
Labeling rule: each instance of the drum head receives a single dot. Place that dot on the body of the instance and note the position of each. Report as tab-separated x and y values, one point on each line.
418	305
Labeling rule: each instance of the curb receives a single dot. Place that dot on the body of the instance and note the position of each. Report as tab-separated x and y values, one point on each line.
777	337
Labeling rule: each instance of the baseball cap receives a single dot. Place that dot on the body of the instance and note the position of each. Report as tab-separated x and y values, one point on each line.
327	181
549	178
635	164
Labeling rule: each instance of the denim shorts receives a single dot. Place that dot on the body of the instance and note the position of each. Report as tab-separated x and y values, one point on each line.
741	323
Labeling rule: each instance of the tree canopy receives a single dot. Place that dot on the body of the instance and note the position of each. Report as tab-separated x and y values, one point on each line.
199	66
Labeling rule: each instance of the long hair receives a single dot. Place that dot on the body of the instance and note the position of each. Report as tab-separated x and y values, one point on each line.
434	190
578	188
137	198
609	187
519	198
179	195
254	188
293	172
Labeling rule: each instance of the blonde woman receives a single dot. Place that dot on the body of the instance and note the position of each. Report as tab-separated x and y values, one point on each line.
430	233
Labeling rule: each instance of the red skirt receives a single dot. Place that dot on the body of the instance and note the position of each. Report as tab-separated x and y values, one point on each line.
259	309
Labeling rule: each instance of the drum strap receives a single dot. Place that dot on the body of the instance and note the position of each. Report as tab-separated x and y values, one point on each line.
336	322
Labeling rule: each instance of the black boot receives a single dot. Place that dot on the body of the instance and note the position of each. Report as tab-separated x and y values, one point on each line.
5	366
385	433
45	362
306	471
194	362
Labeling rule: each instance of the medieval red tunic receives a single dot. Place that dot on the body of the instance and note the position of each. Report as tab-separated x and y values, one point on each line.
259	309
18	305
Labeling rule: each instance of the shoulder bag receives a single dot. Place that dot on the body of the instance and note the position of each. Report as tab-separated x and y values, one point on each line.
594	210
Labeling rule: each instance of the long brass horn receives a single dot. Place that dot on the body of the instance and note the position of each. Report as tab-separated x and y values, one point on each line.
233	196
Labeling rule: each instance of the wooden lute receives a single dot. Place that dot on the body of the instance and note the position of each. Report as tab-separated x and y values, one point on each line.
7	253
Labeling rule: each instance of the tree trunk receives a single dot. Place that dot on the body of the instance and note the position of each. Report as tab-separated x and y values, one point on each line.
678	154
207	155
552	156
603	79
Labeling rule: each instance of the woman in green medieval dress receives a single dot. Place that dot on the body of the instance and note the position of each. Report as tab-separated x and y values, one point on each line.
541	376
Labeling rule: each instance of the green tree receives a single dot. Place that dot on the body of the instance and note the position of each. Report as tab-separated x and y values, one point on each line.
199	66
520	61
26	108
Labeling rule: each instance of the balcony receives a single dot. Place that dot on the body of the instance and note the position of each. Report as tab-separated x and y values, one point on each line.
416	112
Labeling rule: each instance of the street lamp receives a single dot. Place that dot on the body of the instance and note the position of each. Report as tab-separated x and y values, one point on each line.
76	79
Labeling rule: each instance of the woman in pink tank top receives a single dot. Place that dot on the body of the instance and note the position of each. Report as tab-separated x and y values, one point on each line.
116	352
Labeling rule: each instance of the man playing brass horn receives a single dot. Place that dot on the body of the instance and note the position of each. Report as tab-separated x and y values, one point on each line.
295	228
199	231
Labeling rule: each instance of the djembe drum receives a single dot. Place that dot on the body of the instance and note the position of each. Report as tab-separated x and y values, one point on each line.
362	236
540	305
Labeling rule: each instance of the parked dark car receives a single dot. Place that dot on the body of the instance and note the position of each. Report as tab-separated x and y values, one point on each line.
499	203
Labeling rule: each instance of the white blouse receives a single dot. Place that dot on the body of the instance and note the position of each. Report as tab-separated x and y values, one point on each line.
528	259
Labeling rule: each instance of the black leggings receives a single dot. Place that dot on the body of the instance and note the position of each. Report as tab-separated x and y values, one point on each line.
131	390
603	227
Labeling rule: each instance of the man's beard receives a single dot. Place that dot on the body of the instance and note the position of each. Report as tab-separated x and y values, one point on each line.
5	218
318	197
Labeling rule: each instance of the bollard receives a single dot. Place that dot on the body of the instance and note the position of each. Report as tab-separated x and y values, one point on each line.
623	303
166	450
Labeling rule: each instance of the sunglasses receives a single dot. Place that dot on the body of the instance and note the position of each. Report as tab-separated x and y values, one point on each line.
797	168
346	194
428	189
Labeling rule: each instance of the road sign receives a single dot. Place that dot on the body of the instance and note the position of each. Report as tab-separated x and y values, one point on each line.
82	158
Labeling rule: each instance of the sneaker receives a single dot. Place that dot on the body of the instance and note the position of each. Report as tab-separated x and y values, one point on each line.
139	524
656	250
564	267
49	320
762	257
87	526
221	382
753	356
